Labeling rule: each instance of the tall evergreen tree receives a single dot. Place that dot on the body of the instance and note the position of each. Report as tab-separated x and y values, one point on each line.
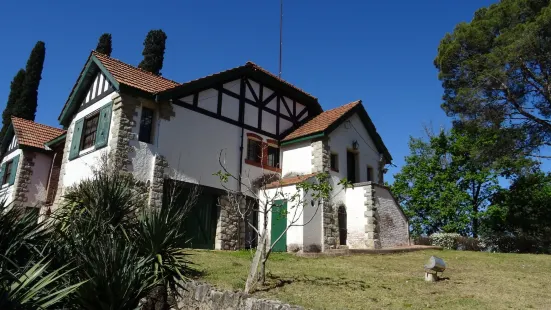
16	88
153	51
105	44
26	104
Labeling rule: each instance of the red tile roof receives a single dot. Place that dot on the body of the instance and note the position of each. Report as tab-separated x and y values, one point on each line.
290	180
322	121
133	76
32	134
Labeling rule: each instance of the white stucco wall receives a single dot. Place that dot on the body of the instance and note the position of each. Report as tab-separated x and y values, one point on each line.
39	179
192	143
341	139
142	154
313	228
80	167
295	235
6	190
355	217
297	158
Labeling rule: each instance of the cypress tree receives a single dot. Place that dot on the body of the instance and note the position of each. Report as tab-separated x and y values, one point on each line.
105	44
16	87
26	104
153	51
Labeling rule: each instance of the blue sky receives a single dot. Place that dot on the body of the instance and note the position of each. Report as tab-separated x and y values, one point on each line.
379	51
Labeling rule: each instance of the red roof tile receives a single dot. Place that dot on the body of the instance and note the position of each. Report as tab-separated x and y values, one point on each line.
290	180
321	121
32	134
133	76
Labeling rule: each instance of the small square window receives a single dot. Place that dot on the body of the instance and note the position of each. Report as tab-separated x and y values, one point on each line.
254	150
146	125
90	129
334	162
7	172
369	174
273	156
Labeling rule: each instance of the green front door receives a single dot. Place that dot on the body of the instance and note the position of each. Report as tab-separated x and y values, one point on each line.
279	223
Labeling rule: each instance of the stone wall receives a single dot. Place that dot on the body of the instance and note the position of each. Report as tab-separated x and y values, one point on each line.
230	230
320	155
393	224
200	296
372	218
156	187
23	176
330	226
122	122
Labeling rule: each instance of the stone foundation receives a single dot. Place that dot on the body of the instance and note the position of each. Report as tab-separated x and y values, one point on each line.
201	296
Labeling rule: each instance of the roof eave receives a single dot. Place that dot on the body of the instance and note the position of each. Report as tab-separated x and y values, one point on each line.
56	140
87	73
318	134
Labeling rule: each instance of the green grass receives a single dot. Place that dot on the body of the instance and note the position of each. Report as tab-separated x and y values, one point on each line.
472	280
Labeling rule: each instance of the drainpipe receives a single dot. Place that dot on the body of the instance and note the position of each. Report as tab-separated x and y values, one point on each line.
241	157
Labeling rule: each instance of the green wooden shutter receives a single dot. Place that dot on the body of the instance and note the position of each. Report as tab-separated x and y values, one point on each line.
2	171
75	143
102	134
14	169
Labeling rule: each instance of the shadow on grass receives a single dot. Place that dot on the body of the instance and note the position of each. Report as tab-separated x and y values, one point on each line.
274	282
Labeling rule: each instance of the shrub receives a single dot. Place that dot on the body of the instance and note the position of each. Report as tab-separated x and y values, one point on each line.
445	240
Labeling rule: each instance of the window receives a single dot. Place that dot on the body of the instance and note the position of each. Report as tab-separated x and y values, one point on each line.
7	172
254	150
369	174
273	156
146	125
334	162
89	133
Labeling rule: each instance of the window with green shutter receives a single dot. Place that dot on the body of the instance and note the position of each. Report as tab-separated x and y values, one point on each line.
102	134
91	132
15	162
75	142
3	172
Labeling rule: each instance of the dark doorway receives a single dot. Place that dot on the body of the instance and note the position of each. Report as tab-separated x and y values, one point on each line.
342	225
201	220
351	166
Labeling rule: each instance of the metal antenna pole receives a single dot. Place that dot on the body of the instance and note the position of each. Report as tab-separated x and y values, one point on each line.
280	35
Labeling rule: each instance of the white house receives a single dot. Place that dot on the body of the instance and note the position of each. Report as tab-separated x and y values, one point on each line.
252	121
26	166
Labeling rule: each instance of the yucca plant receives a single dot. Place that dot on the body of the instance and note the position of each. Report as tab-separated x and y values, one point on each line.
160	238
33	287
125	249
26	281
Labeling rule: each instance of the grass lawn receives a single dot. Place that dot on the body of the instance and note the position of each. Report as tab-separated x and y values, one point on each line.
472	280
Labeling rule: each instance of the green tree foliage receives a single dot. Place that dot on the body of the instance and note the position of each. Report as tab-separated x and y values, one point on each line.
105	44
496	72
444	184
26	104
16	88
153	51
522	213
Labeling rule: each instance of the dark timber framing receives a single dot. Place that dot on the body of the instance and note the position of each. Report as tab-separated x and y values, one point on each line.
245	85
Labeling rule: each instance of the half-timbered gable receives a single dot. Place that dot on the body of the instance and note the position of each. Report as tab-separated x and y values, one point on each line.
250	97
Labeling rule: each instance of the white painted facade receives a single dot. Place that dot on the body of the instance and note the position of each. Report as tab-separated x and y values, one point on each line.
7	191
355	219
340	141
297	158
81	167
303	220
